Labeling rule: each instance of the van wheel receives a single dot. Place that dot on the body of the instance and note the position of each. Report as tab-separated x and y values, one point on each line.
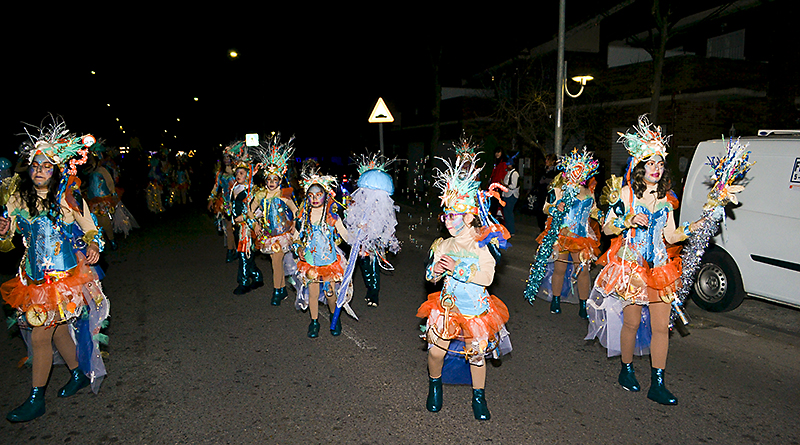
718	285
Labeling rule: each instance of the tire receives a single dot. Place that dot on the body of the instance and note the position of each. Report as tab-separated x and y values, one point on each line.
718	284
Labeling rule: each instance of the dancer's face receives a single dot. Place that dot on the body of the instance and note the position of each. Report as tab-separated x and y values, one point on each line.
241	176
41	170
457	222
273	182
654	169
316	196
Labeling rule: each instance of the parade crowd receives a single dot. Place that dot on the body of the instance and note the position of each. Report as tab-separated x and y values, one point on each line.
65	203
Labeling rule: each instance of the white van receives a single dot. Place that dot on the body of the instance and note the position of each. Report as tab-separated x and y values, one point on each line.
757	252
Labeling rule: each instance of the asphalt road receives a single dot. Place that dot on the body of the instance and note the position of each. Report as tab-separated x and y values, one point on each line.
189	362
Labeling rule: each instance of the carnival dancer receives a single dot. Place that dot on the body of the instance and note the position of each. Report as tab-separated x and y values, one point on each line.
321	263
248	275
104	202
155	187
464	310
220	205
181	179
642	267
371	217
275	210
57	295
574	243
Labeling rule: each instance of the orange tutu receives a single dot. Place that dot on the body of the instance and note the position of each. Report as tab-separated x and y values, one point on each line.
71	292
103	204
481	327
616	275
318	274
569	242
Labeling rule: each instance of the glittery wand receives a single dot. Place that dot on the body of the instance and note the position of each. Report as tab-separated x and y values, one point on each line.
724	172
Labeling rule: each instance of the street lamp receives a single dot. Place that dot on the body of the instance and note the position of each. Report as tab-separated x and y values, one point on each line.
581	80
562	88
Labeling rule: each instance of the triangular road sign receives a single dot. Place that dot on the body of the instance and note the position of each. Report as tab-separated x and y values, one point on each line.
380	113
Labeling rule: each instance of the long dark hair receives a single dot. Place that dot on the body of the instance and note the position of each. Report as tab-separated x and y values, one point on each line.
639	186
27	191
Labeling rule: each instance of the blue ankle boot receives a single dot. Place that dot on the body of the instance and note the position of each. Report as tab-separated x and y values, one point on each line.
658	392
555	304
76	382
313	329
627	378
277	296
31	408
479	407
582	310
434	402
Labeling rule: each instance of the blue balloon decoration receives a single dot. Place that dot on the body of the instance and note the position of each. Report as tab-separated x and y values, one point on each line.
376	180
5	164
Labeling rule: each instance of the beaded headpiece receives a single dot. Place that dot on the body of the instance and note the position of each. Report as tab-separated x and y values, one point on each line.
465	146
459	184
644	141
274	156
58	145
239	154
310	176
577	167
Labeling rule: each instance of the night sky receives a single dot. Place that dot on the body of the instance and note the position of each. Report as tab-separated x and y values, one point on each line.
313	73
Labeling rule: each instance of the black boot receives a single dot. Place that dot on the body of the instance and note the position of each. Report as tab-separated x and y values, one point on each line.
658	392
627	378
479	407
31	408
77	381
434	402
313	329
555	304
582	310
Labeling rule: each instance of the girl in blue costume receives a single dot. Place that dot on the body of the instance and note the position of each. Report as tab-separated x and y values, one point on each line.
642	268
464	310
275	210
219	203
320	262
578	237
248	275
57	294
103	200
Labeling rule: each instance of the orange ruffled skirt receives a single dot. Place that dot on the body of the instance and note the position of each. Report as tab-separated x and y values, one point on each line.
635	281
569	242
103	204
318	274
481	327
62	299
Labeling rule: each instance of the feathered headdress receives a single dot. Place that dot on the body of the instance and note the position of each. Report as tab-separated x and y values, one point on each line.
577	167
644	141
310	175
274	156
372	173
459	184
62	148
239	154
465	146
